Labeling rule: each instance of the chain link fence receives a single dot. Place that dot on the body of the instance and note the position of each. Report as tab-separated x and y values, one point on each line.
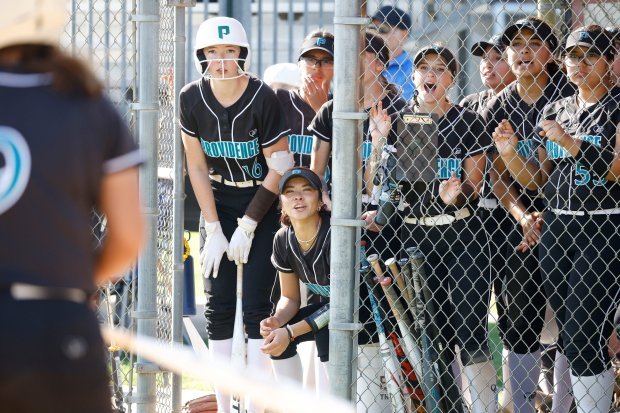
474	278
453	294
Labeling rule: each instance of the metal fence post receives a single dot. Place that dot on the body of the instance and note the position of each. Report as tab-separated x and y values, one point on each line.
345	206
179	191
147	107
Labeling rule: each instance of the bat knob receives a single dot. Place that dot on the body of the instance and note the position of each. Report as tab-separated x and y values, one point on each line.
386	281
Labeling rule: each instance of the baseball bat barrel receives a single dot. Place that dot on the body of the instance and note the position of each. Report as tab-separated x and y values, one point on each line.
393	377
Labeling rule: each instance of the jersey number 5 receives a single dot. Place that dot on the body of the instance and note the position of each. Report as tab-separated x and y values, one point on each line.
586	177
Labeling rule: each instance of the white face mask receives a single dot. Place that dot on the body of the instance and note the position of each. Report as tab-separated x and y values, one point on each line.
221	75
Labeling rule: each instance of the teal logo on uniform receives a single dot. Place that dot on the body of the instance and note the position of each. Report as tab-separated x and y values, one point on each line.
15	166
223	31
584	36
320	41
585	176
447	166
233	150
526	148
555	151
366	150
300	144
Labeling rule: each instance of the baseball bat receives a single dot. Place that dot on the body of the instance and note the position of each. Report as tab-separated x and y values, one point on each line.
393	377
402	317
398	276
238	354
440	367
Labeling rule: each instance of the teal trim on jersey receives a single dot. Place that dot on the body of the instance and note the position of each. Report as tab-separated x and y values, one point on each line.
233	150
322	290
301	144
447	166
366	150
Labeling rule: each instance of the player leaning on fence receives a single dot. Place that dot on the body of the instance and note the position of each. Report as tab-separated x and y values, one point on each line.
235	142
64	150
441	223
578	167
531	45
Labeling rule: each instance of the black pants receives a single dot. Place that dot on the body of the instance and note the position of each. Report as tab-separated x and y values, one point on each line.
581	266
459	286
259	275
52	358
497	224
321	337
523	295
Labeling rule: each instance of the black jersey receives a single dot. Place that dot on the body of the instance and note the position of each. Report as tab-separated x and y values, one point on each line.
312	268
298	114
477	101
524	117
51	170
232	138
571	186
460	134
322	124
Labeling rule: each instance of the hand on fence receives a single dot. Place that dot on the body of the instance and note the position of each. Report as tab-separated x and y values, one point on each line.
532	227
214	248
315	92
276	342
380	123
555	133
241	241
268	325
505	138
450	189
371	225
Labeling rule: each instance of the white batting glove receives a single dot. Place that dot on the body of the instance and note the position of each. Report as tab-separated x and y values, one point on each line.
241	241
213	249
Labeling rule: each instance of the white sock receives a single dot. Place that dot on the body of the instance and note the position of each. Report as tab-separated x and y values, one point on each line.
259	361
507	405
524	372
322	379
481	382
593	393
290	368
221	349
562	387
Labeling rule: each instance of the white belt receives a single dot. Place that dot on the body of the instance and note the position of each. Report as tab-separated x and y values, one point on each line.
488	203
612	211
21	291
443	219
239	184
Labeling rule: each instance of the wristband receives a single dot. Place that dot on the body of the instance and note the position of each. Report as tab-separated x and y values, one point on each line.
595	158
318	319
289	330
260	204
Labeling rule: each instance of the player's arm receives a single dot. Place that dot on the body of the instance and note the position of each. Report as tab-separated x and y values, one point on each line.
119	201
321	150
473	167
523	171
198	171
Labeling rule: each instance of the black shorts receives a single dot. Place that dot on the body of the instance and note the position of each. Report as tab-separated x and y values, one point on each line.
52	358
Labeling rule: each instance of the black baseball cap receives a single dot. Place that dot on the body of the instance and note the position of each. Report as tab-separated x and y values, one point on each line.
443	52
312	178
375	44
393	16
539	27
598	41
325	44
480	48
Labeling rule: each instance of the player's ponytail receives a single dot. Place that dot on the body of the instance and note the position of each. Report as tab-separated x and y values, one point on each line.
70	75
